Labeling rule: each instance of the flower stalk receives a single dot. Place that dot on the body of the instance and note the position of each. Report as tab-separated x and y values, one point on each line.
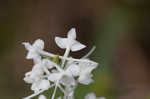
65	56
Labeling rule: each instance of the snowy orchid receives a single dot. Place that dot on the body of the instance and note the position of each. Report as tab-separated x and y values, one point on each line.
61	72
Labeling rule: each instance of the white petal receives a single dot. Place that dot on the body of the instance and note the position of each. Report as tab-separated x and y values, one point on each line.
33	50
37	59
67	79
87	67
42	97
27	78
76	46
54	77
73	69
90	96
47	63
61	42
40	85
44	85
85	79
34	75
31	54
38	44
37	70
35	87
27	45
72	34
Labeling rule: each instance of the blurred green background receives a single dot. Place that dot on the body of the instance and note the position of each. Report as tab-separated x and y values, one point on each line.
120	29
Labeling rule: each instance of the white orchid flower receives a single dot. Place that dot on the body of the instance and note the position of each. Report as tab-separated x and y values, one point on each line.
69	42
85	72
82	69
73	69
38	70
63	77
64	74
40	85
42	97
34	50
34	75
85	79
93	96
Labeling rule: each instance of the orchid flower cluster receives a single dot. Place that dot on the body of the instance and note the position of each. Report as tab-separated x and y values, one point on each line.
57	72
